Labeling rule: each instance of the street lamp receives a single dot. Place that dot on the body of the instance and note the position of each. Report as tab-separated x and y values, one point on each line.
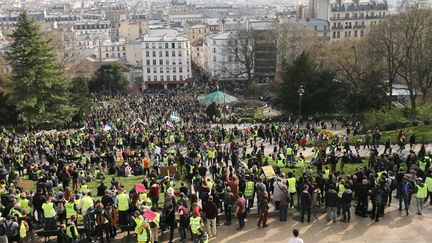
300	92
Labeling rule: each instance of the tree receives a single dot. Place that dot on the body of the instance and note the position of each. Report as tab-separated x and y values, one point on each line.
383	40
109	78
241	54
80	97
8	114
39	90
322	93
360	71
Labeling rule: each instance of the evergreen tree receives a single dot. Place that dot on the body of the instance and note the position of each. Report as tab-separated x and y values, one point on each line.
39	90
109	78
322	93
80	97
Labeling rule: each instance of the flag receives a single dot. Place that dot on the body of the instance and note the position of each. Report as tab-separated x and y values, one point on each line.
174	117
106	128
82	128
169	123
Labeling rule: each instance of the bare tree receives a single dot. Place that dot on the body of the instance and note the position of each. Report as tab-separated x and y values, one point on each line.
240	50
383	41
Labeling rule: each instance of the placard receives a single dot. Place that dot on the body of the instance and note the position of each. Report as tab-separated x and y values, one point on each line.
168	170
25	184
269	171
150	215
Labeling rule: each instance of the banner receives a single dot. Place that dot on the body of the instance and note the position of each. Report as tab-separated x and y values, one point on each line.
269	171
150	215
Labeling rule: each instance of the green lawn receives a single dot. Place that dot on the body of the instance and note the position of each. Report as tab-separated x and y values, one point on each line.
423	134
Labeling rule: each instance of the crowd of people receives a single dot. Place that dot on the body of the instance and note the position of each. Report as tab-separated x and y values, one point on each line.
213	171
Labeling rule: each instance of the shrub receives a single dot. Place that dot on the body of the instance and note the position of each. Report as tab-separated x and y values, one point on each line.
385	119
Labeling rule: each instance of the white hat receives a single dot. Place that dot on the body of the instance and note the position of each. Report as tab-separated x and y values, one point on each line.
170	190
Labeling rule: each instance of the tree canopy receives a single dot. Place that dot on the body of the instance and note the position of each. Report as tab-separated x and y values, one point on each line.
39	91
109	79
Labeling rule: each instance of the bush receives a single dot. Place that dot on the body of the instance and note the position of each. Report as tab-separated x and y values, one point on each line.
385	120
424	113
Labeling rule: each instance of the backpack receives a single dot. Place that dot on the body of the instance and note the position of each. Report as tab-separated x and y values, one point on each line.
60	209
100	218
9	231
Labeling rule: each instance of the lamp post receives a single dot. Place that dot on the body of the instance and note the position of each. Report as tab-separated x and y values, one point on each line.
300	92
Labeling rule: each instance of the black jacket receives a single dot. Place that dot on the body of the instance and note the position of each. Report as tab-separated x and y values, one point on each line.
347	198
331	198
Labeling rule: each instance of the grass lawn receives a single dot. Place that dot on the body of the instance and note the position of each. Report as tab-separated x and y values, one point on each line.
423	134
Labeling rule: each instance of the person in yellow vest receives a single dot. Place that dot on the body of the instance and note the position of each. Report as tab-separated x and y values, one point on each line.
25	203
249	192
340	190
123	207
326	174
300	163
421	195
428	183
84	188
154	224
16	211
203	237
144	233
290	156
24	227
292	187
72	230
49	213
86	203
71	208
195	223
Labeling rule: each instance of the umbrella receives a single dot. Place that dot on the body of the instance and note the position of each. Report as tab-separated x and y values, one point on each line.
217	97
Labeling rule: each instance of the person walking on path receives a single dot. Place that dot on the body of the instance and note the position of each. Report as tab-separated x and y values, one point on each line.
306	203
241	210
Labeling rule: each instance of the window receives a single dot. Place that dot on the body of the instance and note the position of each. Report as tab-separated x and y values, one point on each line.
214	50
167	53
148	62
107	55
148	78
361	33
166	45
160	62
173	53
168	78
180	62
154	62
181	77
161	78
148	70
167	69
147	45
315	27
153	45
355	33
155	78
160	45
214	58
112	48
179	45
174	78
174	70
179	53
173	45
160	53
147	53
180	69
124	48
173	62
167	62
154	70
118	48
154	53
161	70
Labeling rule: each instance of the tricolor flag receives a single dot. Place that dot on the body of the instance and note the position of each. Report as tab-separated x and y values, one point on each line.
169	123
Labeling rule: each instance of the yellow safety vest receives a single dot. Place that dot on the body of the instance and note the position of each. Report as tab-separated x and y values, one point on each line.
280	163
422	165
87	203
300	163
15	212
292	185
341	190
289	151
70	209
138	222
143	235
83	188
23	231
250	185
421	191
123	202
326	174
69	231
195	224
25	205
49	211
428	183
